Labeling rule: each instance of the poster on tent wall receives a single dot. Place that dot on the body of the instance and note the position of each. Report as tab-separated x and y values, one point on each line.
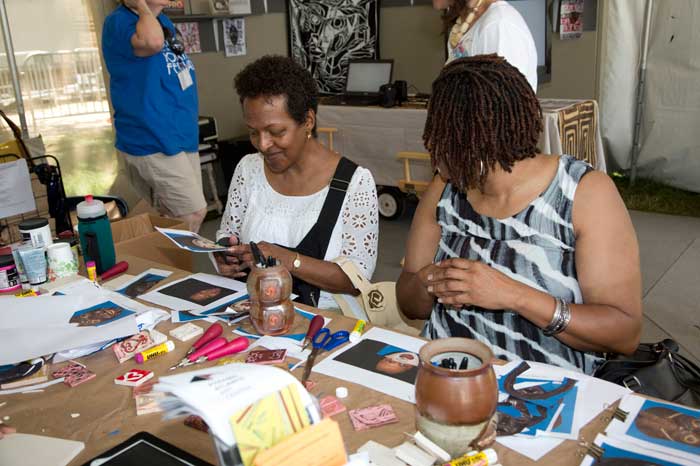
324	35
571	19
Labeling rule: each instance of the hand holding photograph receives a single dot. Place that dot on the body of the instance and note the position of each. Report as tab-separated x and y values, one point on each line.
191	241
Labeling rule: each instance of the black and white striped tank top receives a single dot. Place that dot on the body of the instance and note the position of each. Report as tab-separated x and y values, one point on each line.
535	247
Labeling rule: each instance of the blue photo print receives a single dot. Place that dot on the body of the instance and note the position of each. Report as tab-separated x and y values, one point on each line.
613	456
667	425
99	314
142	285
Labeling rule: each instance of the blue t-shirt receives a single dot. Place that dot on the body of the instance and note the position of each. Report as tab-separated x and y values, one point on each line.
152	113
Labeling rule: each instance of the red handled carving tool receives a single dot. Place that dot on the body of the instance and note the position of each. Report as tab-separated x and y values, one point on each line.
212	332
209	336
315	325
232	347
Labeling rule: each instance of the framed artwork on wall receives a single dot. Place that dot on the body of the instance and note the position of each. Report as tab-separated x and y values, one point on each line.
325	34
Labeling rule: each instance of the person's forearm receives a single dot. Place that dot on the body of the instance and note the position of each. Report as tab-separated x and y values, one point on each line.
148	29
414	300
593	327
327	276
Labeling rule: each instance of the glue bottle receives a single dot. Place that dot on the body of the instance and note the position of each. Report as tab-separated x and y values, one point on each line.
163	348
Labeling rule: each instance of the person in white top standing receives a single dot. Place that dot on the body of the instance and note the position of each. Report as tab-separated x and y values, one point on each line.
299	201
482	27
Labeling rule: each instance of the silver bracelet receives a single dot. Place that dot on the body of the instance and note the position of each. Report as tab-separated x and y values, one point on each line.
560	319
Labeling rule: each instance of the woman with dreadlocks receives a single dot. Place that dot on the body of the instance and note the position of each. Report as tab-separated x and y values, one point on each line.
533	254
480	27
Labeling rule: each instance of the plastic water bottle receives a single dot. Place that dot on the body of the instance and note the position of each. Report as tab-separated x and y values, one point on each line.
95	234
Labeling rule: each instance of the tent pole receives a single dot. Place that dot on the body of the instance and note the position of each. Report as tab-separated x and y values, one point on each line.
641	83
14	74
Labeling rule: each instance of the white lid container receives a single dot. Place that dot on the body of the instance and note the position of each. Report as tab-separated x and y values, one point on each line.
90	208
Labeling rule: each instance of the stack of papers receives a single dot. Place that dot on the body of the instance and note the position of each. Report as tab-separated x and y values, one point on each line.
650	432
247	407
541	405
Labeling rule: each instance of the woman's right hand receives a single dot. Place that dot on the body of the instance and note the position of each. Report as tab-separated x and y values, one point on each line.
230	264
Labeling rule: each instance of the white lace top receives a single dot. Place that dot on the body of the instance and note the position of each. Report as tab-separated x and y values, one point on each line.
256	212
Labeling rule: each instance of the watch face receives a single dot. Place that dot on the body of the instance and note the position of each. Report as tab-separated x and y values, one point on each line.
296	263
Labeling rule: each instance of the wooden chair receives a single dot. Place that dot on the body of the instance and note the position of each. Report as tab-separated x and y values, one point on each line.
328	132
408	185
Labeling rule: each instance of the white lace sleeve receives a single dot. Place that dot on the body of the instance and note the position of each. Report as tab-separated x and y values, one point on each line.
237	202
360	235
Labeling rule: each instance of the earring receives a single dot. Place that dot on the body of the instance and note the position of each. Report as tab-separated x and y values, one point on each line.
308	135
481	168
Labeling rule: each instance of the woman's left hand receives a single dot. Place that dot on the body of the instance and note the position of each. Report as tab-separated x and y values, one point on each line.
462	282
245	254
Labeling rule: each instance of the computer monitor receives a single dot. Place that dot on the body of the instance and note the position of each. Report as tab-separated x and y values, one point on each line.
365	77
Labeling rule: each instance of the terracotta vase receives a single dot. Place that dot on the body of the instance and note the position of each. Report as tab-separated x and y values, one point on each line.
453	406
271	310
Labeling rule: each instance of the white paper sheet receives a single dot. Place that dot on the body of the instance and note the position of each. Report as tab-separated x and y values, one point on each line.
15	189
651	435
33	327
231	289
45	451
374	380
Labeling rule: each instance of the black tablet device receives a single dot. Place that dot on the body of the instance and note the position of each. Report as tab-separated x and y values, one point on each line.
145	449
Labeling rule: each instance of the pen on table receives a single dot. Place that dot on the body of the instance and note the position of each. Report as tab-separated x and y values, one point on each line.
314	326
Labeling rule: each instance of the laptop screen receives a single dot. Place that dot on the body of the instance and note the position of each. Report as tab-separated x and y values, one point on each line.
367	76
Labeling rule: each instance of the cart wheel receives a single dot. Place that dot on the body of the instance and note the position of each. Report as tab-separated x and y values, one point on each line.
391	203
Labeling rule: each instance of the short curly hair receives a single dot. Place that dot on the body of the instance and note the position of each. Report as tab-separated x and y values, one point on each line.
275	75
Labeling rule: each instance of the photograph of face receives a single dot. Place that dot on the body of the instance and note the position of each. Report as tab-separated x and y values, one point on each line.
196	291
142	285
194	243
384	359
675	427
99	314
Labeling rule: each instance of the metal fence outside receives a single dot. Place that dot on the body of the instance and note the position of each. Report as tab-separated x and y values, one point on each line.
57	84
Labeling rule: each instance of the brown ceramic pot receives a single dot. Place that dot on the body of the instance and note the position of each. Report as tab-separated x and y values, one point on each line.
456	397
271	310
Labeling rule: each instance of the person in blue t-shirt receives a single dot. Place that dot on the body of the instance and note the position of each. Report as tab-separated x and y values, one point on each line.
154	94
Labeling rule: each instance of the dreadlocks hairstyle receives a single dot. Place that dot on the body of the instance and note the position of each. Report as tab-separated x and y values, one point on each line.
482	112
275	75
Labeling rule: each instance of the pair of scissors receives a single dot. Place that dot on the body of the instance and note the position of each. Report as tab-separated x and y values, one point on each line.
324	340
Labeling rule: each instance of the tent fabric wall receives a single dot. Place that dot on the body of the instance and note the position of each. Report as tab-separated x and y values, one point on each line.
670	147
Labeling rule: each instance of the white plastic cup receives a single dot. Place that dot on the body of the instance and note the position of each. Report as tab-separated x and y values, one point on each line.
62	261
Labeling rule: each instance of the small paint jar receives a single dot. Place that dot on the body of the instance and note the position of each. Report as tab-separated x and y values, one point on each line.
9	278
36	230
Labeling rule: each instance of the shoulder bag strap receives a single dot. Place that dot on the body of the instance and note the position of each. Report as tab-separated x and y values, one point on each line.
18	137
315	243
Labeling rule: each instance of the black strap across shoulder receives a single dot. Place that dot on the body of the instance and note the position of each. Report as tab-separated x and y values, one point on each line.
315	243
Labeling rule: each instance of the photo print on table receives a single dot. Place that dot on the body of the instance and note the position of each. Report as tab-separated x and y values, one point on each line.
668	425
381	358
142	285
99	314
196	291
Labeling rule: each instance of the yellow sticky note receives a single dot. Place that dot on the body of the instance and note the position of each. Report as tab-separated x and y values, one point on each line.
318	445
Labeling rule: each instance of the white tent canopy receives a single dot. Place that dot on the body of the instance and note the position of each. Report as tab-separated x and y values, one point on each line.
670	146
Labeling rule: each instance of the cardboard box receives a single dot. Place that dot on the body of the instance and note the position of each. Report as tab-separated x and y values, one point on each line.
136	236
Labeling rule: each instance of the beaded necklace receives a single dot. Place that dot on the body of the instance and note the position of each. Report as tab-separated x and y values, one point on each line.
460	27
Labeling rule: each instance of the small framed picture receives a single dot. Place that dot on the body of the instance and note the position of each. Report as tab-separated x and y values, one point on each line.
219	7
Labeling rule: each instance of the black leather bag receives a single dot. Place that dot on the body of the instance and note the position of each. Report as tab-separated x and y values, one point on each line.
655	369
